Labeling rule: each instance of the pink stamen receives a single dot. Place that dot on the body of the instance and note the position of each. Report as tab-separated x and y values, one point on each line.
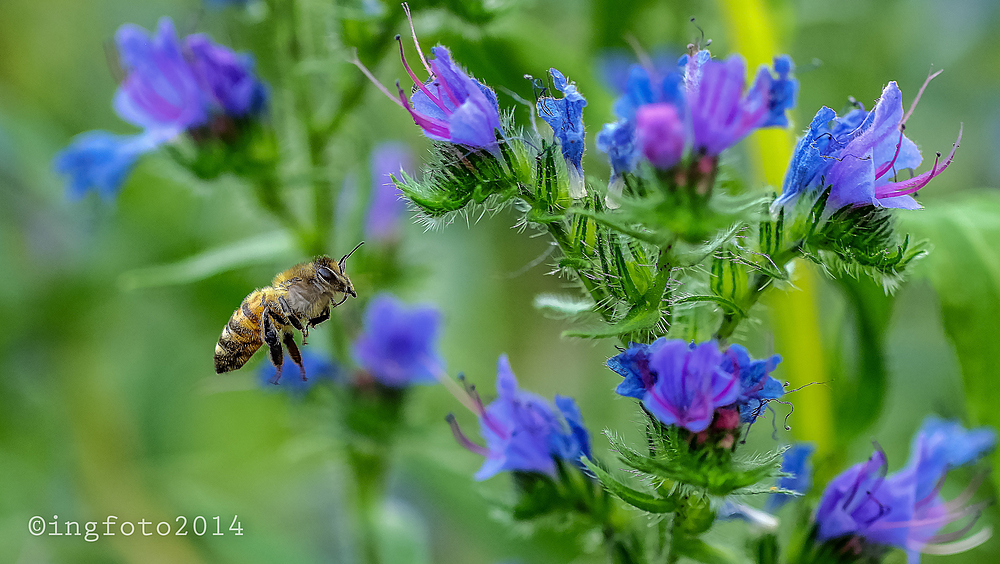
406	8
920	93
431	125
464	440
447	89
910	186
357	62
888	166
418	82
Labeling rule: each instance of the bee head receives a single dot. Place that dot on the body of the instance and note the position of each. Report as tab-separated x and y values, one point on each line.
335	274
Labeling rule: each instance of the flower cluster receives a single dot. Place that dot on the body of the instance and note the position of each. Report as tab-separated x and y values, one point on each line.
523	431
170	87
685	384
702	106
905	509
858	156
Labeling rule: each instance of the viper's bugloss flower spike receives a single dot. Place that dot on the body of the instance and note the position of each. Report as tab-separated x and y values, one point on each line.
565	117
449	105
797	461
904	509
100	160
523	431
857	157
398	343
317	368
170	87
387	206
757	386
690	384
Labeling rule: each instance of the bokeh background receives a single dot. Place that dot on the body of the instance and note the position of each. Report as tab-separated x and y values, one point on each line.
108	400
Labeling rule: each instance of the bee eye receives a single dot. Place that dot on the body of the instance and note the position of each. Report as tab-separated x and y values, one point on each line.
327	274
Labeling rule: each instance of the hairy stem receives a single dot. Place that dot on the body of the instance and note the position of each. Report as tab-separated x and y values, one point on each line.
761	281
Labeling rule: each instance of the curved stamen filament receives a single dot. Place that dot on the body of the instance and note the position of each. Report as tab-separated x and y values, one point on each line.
420	53
888	166
429	124
920	93
357	62
917	182
464	440
418	82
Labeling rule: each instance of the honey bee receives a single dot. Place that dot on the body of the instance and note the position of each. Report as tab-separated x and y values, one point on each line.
298	298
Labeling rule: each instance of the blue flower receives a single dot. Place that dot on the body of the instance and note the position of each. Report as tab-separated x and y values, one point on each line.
523	431
450	105
565	116
901	509
618	141
757	386
797	461
169	87
398	343
689	384
317	367
100	160
227	78
161	91
708	110
732	510
632	365
386	204
857	157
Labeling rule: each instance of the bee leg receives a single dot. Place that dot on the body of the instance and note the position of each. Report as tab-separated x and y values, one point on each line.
293	351
321	317
270	334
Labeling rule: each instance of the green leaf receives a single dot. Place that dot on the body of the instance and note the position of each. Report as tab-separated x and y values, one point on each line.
254	250
635	498
965	270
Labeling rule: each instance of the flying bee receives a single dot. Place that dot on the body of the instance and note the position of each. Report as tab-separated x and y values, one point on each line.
298	298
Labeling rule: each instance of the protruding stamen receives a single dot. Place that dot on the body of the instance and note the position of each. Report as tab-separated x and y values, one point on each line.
452	386
960	546
462	439
431	125
888	166
917	182
420	52
920	93
354	60
419	84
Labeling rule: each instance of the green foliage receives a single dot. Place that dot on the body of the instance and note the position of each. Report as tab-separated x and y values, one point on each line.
965	270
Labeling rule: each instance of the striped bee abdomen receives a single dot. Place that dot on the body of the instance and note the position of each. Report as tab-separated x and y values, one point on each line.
241	336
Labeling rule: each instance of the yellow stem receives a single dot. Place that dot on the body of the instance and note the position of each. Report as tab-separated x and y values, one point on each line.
794	314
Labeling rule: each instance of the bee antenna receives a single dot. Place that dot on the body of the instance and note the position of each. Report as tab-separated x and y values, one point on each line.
343	260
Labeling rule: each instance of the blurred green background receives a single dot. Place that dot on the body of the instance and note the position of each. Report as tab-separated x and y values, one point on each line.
108	401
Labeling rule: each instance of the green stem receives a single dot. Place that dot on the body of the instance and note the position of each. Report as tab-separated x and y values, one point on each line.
368	470
761	281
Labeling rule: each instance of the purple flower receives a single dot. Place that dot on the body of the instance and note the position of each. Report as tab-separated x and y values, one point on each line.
660	134
757	386
169	88
710	110
523	431
632	365
161	91
900	509
100	160
387	205
317	367
689	384
565	116
857	157
226	77
398	343
797	461
450	105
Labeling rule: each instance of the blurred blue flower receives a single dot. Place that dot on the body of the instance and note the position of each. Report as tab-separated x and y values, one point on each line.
899	509
857	157
100	160
398	345
660	134
227	78
317	366
565	117
689	384
732	510
797	461
161	91
618	141
523	431
757	386
170	87
387	205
